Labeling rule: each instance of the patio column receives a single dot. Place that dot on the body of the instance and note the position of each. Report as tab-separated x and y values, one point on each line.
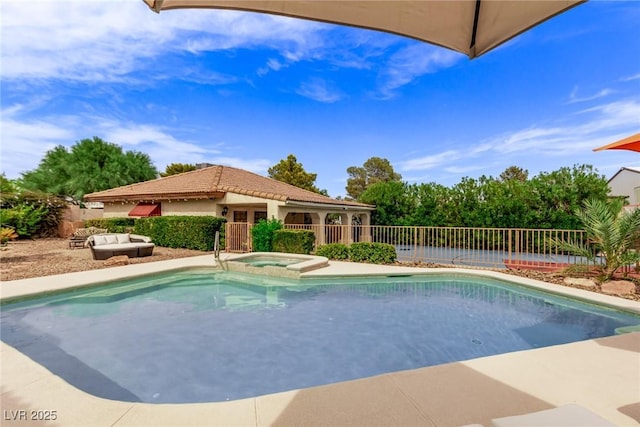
320	238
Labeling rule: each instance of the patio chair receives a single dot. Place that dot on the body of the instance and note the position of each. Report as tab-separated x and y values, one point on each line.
79	237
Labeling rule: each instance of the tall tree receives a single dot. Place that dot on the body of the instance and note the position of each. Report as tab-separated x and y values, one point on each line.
374	170
392	200
290	171
514	173
556	195
176	168
91	165
7	186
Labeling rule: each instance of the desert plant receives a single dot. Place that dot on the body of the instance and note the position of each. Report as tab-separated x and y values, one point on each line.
6	234
611	233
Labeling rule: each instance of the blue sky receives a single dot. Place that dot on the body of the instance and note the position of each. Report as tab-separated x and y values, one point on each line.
246	90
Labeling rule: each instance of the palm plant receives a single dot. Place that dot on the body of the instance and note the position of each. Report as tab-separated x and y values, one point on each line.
611	233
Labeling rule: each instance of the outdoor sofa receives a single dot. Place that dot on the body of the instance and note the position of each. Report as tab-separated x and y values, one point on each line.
106	245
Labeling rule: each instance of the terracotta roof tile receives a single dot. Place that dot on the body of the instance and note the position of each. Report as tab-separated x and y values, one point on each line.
213	180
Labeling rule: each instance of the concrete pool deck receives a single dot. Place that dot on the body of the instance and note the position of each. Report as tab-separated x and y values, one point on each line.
602	375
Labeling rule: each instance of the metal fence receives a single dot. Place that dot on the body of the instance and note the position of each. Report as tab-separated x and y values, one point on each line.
464	246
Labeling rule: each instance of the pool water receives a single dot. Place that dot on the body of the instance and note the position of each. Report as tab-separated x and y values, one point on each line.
265	260
202	336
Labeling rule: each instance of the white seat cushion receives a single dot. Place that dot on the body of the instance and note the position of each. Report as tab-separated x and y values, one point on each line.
111	239
123	238
99	240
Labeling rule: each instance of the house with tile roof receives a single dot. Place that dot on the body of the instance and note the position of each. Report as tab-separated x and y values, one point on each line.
626	184
236	194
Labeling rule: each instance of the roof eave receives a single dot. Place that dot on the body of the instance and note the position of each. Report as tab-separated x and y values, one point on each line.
155	197
336	206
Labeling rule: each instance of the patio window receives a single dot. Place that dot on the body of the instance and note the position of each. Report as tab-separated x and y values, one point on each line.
240	216
258	215
146	209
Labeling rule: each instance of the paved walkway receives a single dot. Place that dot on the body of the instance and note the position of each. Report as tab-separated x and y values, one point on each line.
601	375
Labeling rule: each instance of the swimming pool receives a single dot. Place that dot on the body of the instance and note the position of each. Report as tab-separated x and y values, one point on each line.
197	336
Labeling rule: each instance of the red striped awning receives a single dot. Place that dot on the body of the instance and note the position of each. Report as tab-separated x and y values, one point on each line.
146	209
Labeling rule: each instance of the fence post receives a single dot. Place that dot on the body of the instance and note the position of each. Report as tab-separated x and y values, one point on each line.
510	245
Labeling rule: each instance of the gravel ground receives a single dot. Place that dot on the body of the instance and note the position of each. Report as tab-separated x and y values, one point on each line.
23	259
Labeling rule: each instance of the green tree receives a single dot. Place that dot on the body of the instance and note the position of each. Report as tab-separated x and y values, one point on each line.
466	203
290	171
52	174
374	170
91	165
7	186
176	168
610	231
554	197
392	200
430	204
514	173
506	203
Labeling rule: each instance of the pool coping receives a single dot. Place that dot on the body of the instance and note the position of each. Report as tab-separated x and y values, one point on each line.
237	263
579	372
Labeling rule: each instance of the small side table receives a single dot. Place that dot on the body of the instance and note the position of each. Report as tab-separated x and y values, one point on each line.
76	243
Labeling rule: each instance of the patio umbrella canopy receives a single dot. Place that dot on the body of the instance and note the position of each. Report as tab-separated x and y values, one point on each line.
472	27
629	143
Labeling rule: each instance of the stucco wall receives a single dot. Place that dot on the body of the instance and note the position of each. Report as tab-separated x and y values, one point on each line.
251	204
75	213
188	207
117	210
626	183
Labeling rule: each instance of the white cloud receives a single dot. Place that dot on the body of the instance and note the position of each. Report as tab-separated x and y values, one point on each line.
319	90
100	41
577	135
26	140
574	98
630	78
432	161
412	61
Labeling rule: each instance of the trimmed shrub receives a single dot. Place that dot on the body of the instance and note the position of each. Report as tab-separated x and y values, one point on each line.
333	251
189	232
293	241
113	225
376	253
262	234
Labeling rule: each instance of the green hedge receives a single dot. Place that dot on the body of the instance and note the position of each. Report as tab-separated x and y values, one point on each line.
376	253
113	225
293	241
333	251
189	232
262	234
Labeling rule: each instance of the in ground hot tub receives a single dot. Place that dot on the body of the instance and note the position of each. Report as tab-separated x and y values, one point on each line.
275	263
